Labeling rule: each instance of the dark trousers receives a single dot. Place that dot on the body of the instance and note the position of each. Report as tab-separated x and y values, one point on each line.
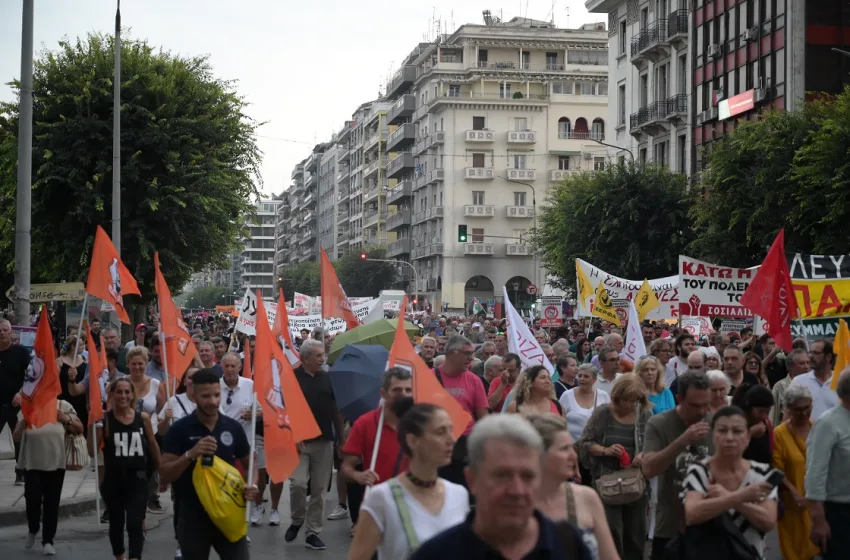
9	415
355	494
197	534
42	491
658	546
838	518
126	495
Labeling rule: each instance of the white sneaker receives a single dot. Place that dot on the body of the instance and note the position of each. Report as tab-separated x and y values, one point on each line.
49	550
30	540
341	512
274	518
257	514
178	555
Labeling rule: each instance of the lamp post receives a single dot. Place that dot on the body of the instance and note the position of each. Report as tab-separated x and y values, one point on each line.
615	147
364	257
536	275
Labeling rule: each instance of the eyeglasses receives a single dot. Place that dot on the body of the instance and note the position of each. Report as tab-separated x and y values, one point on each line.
753	363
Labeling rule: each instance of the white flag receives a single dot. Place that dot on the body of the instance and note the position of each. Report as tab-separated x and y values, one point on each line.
520	340
635	348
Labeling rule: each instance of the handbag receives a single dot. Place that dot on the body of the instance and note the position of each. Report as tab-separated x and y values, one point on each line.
625	486
76	454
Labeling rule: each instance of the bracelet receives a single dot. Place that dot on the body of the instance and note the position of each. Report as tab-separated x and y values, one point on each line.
187	456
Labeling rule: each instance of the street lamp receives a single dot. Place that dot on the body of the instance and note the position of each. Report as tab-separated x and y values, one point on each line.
534	207
365	257
615	147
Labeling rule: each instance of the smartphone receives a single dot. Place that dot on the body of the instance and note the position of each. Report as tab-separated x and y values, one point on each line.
775	478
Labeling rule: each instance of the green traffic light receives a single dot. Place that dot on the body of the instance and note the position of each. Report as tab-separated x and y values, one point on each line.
461	233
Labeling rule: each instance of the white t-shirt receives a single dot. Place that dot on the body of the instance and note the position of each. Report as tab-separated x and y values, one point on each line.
148	402
577	416
381	507
178	411
240	398
823	398
675	367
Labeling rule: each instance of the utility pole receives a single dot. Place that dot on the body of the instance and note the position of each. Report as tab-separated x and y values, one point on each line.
116	137
23	214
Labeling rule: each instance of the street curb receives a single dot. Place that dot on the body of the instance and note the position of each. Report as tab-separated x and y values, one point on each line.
68	508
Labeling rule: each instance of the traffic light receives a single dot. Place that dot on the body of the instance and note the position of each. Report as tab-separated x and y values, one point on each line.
461	233
363	256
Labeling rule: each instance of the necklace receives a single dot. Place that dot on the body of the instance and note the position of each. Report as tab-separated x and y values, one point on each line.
416	481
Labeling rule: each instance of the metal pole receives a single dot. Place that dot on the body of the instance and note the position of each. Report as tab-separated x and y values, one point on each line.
615	147
415	274
116	137
23	215
534	262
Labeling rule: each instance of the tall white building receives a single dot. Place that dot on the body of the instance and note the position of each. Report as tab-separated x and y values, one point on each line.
258	256
649	105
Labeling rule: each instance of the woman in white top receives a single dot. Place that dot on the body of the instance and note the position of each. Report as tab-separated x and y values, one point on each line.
399	515
145	389
180	405
579	404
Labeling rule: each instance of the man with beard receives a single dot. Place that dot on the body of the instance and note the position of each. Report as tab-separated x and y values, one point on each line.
683	345
397	395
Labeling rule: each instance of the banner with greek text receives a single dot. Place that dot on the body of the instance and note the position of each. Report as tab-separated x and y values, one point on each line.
520	340
621	291
706	289
818	267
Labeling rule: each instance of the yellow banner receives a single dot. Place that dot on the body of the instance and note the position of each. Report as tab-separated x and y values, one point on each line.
822	298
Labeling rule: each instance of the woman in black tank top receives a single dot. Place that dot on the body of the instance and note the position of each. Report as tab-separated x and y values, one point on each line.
128	445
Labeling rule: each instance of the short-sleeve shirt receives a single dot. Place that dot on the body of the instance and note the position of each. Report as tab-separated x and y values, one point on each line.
823	397
319	394
662	430
361	442
185	433
494	386
468	390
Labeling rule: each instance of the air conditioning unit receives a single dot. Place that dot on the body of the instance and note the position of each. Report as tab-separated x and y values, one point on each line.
714	51
750	35
587	155
709	115
759	95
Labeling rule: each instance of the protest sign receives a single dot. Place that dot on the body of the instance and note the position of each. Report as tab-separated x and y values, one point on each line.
732	326
712	290
552	316
696	326
622	290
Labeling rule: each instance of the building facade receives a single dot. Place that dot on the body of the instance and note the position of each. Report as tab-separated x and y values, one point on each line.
258	256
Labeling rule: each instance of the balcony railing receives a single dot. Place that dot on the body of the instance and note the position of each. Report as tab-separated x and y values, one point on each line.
517	249
522	137
519	211
556	175
482	248
399	219
677	24
649	37
399	192
677	104
479	211
479	173
522	174
585	135
400	247
480	136
650	113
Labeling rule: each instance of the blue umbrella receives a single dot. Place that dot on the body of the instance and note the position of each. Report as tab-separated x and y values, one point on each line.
356	379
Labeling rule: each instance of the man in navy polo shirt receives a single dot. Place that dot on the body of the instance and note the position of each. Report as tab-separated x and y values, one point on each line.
504	475
203	433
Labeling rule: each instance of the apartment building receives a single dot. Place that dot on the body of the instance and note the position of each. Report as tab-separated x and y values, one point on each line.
327	200
258	256
283	254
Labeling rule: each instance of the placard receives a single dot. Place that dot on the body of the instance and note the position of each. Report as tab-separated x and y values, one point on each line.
706	289
551	316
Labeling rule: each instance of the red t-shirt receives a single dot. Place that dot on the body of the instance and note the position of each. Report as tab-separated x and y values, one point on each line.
361	442
494	386
468	390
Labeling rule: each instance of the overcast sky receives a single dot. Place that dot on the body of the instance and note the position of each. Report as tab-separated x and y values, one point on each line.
303	66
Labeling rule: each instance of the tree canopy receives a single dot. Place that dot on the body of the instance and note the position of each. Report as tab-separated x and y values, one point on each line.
207	297
359	278
629	220
189	162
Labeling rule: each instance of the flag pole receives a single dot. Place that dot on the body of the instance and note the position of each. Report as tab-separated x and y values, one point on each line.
95	450
165	363
80	329
374	460
248	504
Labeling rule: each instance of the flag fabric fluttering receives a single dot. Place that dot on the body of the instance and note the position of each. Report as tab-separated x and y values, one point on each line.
635	347
97	369
41	387
645	300
585	290
246	361
521	342
477	308
334	301
281	331
108	278
180	351
770	294
287	418
603	307
841	349
426	387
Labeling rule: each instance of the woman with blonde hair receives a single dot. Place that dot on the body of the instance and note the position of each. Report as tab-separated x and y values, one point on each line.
145	389
535	394
650	371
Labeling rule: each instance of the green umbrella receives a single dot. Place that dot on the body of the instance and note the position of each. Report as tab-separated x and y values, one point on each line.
380	332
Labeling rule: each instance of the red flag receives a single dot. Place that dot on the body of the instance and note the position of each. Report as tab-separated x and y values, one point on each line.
287	417
179	350
246	362
334	301
770	294
281	331
109	279
426	387
97	369
41	383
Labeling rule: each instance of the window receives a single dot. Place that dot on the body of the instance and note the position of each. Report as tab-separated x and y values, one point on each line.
661	153
599	58
520	124
602	88
661	82
779	60
525	64
477	123
623	39
683	155
642	155
552	61
478	198
563	163
563	128
587	88
519	161
598	163
643	91
477	160
454	91
621	105
598	129
477	235
518	234
682	77
504	90
519	199
482	58
563	88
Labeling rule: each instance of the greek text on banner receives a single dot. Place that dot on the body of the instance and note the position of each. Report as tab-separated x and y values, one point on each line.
622	290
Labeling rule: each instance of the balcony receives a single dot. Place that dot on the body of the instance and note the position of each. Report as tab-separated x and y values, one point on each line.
371	191
379	135
522	137
401	137
677	108
582	135
517	250
399	219
480	136
344	173
402	162
519	211
465	99
426	179
434	249
556	175
404	107
677	28
480	249
343	194
308	200
400	192
479	173
372	167
521	174
436	139
404	78
650	44
419	217
398	248
342	216
479	211
298	171
371	217
650	119
419	146
345	132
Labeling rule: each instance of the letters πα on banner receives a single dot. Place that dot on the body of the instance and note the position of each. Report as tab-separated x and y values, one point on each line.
712	290
520	340
665	289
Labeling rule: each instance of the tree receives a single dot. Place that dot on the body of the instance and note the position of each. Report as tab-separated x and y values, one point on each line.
189	161
629	220
207	297
302	278
359	278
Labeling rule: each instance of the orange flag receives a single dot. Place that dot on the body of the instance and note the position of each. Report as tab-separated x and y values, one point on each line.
41	382
97	369
287	417
281	331
334	301
179	350
246	362
109	279
426	387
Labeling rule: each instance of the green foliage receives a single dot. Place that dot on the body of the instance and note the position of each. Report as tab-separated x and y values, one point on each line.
359	278
629	220
189	161
207	297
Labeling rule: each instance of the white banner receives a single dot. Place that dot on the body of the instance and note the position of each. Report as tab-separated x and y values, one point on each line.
333	326
301	301
520	340
635	347
621	291
710	290
247	321
697	326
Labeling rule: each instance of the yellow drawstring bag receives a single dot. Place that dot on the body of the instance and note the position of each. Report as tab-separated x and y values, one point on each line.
220	489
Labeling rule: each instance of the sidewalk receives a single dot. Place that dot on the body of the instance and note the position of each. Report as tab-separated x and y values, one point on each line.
78	494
